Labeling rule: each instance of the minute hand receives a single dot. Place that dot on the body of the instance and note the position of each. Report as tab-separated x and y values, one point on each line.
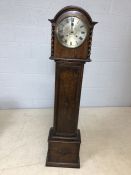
72	27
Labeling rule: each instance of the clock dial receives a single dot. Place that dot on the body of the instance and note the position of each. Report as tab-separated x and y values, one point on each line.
71	32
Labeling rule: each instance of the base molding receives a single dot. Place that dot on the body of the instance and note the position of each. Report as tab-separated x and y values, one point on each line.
63	151
65	165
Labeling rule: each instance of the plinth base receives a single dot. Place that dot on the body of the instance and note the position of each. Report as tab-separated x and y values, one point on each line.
63	151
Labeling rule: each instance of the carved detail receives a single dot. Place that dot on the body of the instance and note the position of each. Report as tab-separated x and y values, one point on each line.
52	39
90	42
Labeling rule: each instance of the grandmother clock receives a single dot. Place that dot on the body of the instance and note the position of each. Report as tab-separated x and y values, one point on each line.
72	29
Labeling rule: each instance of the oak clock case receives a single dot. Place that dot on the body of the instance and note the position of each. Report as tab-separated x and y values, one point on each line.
71	39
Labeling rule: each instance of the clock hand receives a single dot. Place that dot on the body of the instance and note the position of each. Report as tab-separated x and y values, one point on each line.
72	24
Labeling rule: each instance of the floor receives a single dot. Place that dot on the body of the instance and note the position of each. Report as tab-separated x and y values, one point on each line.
105	148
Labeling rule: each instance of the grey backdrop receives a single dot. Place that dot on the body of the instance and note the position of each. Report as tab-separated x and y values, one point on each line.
27	74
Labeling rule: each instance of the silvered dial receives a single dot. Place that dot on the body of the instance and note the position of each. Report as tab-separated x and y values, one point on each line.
71	32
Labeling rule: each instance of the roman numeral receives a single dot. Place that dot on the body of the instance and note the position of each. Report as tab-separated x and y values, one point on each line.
67	20
80	38
70	43
72	19
81	26
82	32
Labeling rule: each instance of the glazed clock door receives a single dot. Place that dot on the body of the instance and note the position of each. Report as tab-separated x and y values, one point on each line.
71	32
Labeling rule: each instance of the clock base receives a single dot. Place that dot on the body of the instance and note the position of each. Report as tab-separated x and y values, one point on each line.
63	151
64	165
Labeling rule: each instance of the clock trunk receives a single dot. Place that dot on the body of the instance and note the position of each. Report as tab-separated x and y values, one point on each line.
67	97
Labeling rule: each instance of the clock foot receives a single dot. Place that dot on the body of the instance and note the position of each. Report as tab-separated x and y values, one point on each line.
63	151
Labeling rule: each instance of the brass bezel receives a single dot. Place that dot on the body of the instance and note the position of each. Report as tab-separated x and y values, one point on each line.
72	14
